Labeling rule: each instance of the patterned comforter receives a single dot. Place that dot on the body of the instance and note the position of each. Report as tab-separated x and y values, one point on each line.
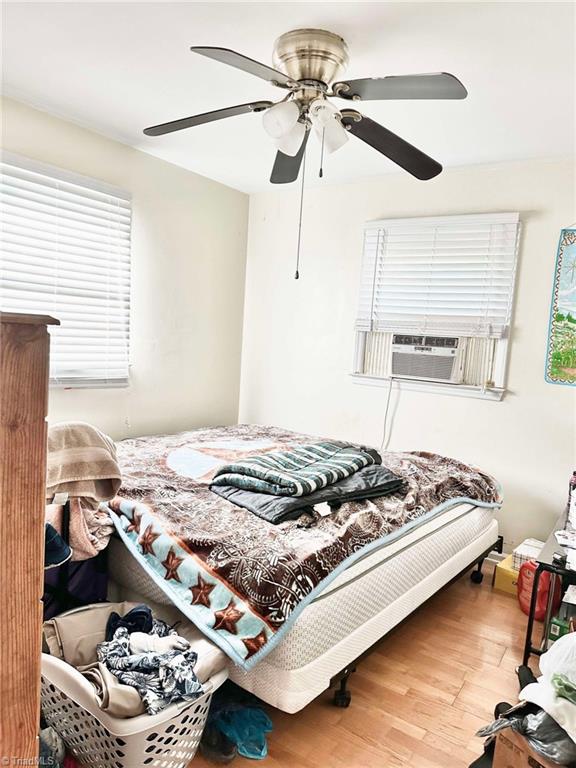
240	579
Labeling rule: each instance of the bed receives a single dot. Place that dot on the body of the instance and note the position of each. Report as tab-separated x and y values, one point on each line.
371	590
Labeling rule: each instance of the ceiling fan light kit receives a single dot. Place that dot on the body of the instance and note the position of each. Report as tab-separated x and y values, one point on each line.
307	62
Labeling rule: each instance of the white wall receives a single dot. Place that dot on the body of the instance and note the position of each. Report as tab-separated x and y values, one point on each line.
188	263
298	335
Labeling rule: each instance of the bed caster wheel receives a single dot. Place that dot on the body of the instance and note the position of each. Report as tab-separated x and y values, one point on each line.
342	698
477	577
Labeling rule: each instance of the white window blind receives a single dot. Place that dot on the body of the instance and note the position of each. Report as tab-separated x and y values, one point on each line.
444	275
65	251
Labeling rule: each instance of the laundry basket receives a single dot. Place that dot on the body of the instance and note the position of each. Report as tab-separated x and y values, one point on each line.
168	739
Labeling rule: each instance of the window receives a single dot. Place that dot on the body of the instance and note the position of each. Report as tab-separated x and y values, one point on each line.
65	251
436	301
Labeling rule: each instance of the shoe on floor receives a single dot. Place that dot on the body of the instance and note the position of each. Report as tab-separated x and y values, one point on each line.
56	551
501	708
525	676
217	747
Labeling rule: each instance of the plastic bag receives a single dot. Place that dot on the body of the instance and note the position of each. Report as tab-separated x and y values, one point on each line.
558	667
247	728
564	687
560	659
526	585
543	733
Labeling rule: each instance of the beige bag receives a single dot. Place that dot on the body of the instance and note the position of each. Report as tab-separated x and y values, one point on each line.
114	697
73	636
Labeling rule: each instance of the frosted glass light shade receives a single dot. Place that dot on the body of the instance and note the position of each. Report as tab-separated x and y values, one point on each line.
292	141
280	119
321	113
324	117
335	135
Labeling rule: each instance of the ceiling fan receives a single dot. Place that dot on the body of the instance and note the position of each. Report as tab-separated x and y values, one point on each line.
310	60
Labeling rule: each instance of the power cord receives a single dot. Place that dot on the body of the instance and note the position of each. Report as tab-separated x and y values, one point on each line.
384	443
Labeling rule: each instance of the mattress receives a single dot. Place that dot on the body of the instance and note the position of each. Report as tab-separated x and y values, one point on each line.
244	581
357	608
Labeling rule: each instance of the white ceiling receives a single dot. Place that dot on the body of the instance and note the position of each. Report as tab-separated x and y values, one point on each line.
119	67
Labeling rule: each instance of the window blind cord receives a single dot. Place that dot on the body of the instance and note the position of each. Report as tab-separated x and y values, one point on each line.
374	282
385	442
297	274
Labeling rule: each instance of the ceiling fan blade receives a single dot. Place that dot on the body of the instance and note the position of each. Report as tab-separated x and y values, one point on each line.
206	117
286	168
233	59
434	86
396	149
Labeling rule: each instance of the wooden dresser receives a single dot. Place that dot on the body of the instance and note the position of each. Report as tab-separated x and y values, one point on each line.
24	355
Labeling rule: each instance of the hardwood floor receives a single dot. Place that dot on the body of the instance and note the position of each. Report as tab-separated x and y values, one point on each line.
420	697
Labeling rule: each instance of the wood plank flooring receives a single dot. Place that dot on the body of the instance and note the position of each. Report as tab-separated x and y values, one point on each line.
420	697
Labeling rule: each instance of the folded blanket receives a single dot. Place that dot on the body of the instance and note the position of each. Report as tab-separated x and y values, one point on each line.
298	472
368	483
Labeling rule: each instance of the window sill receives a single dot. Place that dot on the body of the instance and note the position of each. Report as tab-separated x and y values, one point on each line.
89	383
438	388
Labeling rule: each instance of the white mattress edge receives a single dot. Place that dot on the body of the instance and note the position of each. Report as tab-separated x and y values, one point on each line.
387	551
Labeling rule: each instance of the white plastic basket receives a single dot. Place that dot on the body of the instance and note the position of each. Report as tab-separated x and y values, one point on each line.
167	740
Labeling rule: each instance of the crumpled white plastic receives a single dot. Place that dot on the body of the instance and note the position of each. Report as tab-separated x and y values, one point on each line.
560	659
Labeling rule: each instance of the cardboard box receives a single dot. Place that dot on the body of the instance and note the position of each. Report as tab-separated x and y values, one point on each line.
505	577
528	550
513	751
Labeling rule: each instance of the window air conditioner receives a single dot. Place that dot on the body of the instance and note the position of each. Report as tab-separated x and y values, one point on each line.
432	358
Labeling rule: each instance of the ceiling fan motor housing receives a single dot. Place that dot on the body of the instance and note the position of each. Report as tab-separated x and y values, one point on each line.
311	54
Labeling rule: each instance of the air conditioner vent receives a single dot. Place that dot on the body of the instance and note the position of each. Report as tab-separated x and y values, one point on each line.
423	367
436	358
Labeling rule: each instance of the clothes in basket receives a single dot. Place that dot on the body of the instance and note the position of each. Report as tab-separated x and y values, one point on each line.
129	678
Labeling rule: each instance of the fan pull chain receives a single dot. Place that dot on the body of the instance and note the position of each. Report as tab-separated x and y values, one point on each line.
297	275
321	173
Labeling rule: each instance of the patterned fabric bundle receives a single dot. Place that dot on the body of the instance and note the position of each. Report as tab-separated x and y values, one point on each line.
159	678
298	472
